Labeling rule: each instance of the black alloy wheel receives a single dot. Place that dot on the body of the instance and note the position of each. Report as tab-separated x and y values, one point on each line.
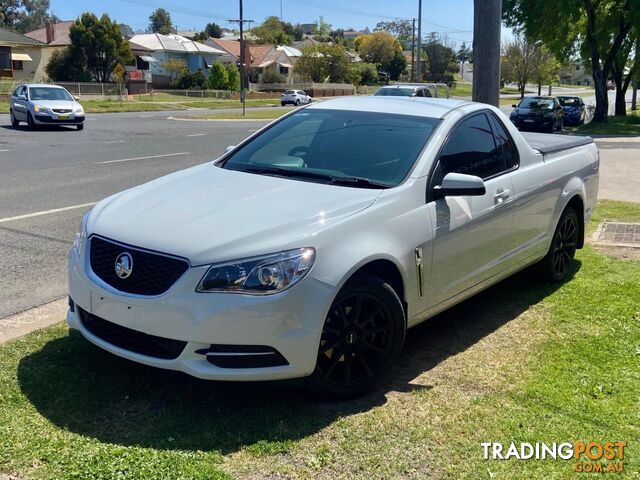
555	266
14	120
362	336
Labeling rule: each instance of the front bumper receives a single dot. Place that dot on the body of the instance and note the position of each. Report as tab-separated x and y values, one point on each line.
524	123
53	119
289	322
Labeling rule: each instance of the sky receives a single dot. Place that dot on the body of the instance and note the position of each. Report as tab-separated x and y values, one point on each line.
451	17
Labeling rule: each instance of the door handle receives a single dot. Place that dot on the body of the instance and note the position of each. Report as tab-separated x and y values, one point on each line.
501	195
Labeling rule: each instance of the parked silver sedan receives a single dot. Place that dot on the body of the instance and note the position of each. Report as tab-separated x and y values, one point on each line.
295	97
42	104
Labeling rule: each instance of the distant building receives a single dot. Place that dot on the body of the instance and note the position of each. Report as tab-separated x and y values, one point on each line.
55	36
576	74
126	30
261	59
352	34
20	56
156	50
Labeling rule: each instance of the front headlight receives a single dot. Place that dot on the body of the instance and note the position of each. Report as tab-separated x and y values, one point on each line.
79	110
39	108
260	275
81	234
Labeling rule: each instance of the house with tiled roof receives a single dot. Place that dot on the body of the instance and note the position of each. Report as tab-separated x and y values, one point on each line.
54	37
20	56
261	59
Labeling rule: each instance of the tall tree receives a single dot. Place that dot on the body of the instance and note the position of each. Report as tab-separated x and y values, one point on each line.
519	62
442	59
597	27
25	15
399	28
99	44
213	30
160	22
11	13
378	47
273	31
486	39
321	62
625	62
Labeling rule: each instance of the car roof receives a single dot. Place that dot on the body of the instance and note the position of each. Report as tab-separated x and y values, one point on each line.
421	107
31	85
400	86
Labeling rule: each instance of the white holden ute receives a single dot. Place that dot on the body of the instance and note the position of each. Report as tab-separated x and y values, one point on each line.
311	248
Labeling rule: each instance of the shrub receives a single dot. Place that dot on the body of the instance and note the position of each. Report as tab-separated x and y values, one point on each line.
191	81
272	77
233	77
218	77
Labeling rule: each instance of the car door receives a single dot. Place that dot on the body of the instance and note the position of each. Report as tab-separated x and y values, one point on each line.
471	233
19	104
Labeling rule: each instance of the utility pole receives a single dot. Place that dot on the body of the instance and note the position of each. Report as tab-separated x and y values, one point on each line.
281	10
241	22
418	62
413	51
487	17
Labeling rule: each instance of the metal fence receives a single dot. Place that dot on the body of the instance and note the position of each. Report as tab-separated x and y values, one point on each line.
74	88
277	87
222	94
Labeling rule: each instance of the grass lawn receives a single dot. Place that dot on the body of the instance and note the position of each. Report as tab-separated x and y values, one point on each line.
461	90
629	125
4	107
522	362
250	115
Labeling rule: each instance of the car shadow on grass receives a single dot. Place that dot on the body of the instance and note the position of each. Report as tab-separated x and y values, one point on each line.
83	389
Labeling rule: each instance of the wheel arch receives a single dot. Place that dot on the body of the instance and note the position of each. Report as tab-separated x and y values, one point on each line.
384	268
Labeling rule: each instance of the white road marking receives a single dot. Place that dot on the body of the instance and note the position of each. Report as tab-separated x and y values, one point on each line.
196	135
146	116
254	130
114	141
5	150
142	158
45	212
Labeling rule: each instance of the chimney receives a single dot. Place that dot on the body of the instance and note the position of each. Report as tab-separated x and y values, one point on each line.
50	31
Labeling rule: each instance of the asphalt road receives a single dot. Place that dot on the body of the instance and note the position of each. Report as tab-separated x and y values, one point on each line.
47	170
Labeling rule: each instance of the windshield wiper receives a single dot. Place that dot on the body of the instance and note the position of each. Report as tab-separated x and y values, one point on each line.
324	177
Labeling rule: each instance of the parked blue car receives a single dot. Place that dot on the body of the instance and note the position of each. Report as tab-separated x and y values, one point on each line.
574	109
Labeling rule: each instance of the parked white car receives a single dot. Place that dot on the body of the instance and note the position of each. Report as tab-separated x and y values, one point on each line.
294	97
309	249
44	104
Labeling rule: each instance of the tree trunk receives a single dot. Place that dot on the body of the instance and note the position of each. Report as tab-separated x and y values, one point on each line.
634	96
522	87
602	98
539	89
487	16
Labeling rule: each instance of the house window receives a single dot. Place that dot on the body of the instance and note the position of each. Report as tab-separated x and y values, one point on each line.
284	70
18	65
5	58
141	64
577	67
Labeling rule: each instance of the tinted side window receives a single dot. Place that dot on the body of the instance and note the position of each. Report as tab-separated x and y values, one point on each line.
419	93
472	150
505	142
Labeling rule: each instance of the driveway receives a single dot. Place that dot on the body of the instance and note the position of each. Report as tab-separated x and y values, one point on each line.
619	168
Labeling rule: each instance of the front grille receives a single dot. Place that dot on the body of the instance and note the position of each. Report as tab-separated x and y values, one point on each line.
151	273
243	356
48	119
131	340
61	110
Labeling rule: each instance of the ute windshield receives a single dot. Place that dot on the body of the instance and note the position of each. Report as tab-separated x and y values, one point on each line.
394	92
340	147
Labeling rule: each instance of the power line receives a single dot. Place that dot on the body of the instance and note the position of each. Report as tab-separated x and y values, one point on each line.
175	8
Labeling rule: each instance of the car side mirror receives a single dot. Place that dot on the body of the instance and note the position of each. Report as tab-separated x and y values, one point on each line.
514	106
76	99
22	97
229	148
460	184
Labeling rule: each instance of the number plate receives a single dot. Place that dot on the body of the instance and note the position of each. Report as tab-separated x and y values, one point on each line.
528	121
63	117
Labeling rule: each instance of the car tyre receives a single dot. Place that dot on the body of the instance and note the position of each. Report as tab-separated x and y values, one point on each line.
362	336
30	123
297	103
282	104
80	126
554	267
14	120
